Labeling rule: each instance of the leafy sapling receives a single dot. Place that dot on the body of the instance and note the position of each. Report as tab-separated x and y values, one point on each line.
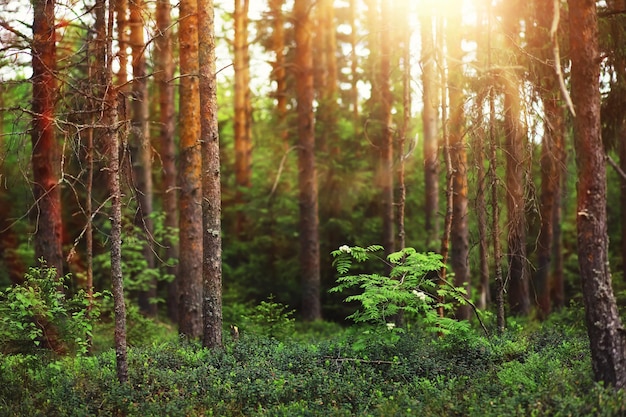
409	288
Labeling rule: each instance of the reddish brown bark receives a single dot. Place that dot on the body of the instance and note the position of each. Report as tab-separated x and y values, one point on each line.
190	177
46	153
211	202
604	327
430	98
386	142
518	273
307	174
459	233
279	73
164	63
141	150
242	119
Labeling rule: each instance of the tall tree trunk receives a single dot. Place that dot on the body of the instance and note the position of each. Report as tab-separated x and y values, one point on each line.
430	130
479	151
405	40
515	140
354	63
164	63
121	8
459	233
212	199
141	151
243	140
606	332
386	143
550	151
492	176
307	175
279	69
190	182
111	139
46	158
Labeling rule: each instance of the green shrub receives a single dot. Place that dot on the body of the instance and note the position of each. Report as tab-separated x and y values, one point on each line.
37	314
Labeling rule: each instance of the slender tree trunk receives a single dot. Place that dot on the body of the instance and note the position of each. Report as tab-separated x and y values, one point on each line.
459	235
46	160
243	140
430	131
307	174
121	8
606	332
386	147
190	177
354	62
515	140
141	150
212	199
550	170
493	179
447	224
279	70
164	63
112	142
405	39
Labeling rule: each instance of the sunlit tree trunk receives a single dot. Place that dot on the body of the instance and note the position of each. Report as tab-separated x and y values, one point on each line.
604	327
515	140
430	98
404	38
550	170
112	144
164	63
354	62
121	9
386	143
212	200
243	140
279	70
307	174
459	234
189	177
46	157
141	149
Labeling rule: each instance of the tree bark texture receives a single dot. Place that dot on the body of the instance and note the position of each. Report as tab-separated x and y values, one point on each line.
459	233
606	333
307	174
111	139
141	150
243	139
190	322
212	199
46	158
164	62
430	131
519	301
279	69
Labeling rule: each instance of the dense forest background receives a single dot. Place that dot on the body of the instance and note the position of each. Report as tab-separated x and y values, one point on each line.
447	127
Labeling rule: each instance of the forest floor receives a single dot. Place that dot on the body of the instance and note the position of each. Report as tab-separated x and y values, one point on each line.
322	369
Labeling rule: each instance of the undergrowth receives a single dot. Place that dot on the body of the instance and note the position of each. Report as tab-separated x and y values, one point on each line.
339	372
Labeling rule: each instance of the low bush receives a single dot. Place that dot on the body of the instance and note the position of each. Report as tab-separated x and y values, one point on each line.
545	372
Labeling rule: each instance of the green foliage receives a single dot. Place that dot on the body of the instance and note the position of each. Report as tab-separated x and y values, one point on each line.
38	311
137	275
408	290
545	372
269	319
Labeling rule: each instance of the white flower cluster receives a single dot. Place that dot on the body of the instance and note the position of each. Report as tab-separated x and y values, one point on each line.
345	249
390	326
420	295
